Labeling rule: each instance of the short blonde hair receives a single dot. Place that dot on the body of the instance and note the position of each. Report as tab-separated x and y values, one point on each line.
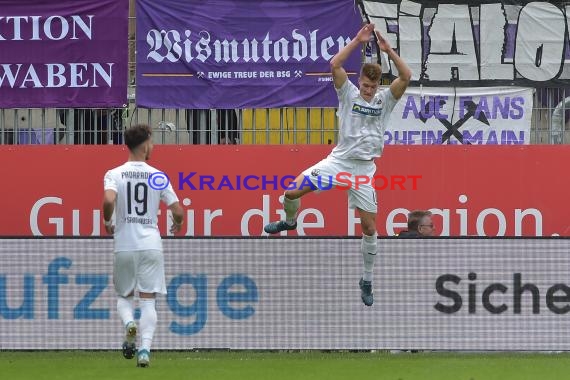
372	71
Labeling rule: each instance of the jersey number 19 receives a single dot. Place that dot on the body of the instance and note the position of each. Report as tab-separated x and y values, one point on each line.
139	196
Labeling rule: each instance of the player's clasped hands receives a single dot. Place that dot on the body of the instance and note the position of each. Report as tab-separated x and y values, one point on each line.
366	32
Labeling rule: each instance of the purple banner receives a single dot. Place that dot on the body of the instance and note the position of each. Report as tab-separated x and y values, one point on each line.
68	53
241	53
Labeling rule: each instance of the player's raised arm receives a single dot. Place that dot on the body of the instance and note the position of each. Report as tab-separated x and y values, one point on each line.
399	85
337	62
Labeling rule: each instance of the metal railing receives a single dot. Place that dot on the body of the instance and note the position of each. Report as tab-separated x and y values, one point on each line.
171	126
550	124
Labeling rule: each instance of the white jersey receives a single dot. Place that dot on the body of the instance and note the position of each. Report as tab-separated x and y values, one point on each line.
362	124
137	204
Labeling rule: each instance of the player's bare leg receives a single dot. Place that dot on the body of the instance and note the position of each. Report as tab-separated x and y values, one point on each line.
291	204
368	249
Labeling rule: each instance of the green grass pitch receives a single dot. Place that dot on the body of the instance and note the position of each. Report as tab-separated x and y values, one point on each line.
314	365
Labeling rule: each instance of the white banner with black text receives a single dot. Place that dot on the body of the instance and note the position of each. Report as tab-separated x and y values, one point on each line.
475	43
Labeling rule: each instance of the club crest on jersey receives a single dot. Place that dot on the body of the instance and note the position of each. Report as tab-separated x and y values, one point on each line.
367	111
315	172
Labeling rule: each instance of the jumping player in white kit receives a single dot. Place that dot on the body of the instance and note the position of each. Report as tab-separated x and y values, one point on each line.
363	117
133	192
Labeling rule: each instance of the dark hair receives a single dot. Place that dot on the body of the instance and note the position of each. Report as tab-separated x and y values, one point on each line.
136	135
372	71
415	217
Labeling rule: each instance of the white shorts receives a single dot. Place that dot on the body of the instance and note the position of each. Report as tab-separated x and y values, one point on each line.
142	271
333	173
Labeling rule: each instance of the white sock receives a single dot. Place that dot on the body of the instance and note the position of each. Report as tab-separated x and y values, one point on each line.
147	322
368	248
291	206
126	309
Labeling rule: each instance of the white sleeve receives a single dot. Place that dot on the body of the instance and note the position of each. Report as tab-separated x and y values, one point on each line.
345	96
168	195
389	101
109	182
343	91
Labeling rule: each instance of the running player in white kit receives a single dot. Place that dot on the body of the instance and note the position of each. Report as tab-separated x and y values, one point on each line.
363	117
130	208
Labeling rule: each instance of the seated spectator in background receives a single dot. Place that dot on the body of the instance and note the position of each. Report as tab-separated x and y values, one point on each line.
223	140
199	124
91	126
420	224
30	126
